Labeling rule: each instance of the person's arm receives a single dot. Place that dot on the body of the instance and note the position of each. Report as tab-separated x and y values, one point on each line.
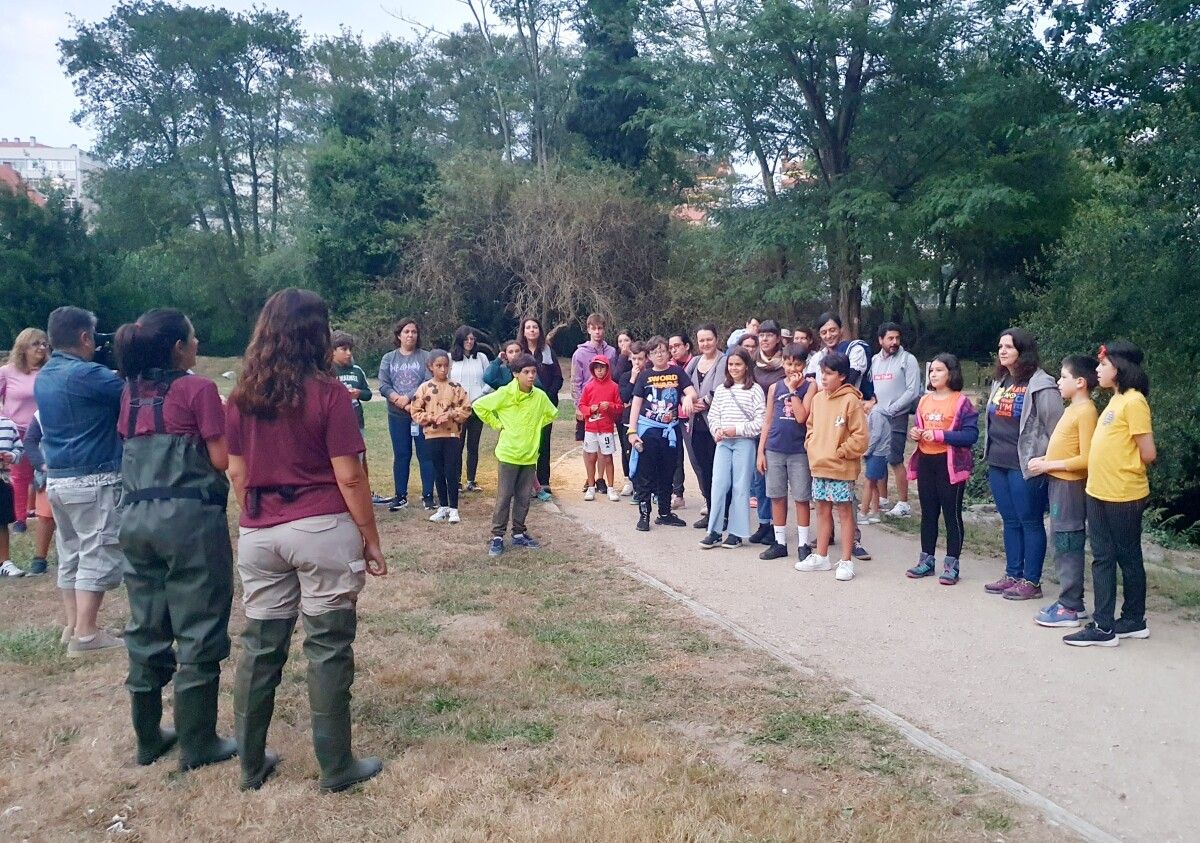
1146	449
967	433
460	411
33	443
237	476
218	453
364	387
417	408
752	427
768	419
855	443
858	360
107	385
352	483
485	408
385	378
577	375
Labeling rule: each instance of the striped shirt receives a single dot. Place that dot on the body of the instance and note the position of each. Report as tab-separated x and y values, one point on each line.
739	408
10	443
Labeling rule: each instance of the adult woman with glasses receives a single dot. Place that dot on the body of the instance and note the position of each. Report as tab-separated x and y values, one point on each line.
29	353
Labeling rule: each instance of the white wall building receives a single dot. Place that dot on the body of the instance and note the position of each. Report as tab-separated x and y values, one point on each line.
51	167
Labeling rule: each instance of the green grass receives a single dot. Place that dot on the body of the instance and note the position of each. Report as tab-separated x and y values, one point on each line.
532	732
33	646
993	819
416	624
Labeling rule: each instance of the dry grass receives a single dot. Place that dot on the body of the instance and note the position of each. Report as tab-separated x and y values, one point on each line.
540	696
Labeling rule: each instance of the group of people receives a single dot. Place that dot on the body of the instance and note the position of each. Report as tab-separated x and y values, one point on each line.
134	468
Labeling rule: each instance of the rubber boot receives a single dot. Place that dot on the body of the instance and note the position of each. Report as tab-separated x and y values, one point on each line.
265	647
643	523
329	648
153	741
196	689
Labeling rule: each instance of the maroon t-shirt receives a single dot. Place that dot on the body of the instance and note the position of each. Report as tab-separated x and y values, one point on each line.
294	449
192	408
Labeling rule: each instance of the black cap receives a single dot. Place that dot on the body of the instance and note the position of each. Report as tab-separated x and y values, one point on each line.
769	327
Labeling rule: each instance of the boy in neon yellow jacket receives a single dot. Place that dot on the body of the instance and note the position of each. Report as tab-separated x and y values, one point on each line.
519	412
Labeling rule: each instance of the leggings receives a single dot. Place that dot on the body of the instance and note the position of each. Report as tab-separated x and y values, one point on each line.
623	436
471	430
702	450
445	452
939	497
543	463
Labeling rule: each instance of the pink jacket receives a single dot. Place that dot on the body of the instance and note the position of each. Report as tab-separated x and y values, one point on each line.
961	437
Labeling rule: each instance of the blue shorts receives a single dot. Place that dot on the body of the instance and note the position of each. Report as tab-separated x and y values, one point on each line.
876	466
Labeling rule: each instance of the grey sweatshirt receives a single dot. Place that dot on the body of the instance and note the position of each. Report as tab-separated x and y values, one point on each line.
1043	409
401	374
897	379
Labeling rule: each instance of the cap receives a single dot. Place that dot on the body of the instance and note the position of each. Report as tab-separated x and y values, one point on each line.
769	327
786	333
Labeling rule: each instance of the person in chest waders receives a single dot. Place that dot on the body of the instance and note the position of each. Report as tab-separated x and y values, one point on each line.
179	563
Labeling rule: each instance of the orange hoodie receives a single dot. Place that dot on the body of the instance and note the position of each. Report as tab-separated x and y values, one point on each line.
837	434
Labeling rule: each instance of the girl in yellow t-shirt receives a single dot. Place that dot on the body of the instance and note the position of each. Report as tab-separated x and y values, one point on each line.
1117	490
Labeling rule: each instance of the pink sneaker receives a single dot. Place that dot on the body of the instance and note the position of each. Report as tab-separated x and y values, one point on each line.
1001	585
1024	590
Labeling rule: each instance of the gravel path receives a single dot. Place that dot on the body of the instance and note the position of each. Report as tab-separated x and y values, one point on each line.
1111	735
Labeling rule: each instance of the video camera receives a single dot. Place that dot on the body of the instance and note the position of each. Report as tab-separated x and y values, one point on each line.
105	354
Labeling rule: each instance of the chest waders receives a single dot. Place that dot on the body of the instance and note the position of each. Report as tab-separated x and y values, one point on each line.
179	574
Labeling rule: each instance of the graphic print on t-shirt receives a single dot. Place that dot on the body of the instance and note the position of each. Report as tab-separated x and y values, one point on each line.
661	393
1009	402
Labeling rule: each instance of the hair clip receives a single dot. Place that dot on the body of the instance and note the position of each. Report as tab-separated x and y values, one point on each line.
1103	353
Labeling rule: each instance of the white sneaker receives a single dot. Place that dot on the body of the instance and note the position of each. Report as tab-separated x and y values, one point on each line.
845	570
613	495
813	562
704	512
627	489
8	569
452	516
900	510
590	494
884	503
861	520
677	502
443	512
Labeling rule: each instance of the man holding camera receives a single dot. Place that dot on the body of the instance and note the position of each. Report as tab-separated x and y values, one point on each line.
78	404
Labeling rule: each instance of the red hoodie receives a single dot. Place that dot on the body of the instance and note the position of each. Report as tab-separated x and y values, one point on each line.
599	389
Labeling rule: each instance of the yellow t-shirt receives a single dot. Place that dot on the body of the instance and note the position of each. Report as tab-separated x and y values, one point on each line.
1072	440
1115	469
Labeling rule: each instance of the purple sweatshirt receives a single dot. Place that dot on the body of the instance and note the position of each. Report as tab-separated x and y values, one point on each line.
582	359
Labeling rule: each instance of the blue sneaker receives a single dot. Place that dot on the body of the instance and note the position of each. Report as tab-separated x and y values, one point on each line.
1057	615
544	495
37	567
525	540
18	527
496	547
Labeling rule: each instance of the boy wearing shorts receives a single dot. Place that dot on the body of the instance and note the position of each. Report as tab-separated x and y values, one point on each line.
836	441
781	454
875	463
601	407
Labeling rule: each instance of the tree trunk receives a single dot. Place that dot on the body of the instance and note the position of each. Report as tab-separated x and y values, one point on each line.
844	256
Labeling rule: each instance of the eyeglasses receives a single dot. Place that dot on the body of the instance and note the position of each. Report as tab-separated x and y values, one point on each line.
40	344
676	345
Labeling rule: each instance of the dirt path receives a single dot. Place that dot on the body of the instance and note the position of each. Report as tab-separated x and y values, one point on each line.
1111	735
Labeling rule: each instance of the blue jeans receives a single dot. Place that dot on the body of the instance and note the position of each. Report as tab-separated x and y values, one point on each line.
733	468
1022	505
758	488
400	428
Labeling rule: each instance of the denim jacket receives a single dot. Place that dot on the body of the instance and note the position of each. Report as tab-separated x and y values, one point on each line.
78	404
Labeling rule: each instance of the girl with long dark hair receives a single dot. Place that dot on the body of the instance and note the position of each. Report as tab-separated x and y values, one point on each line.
307	534
735	419
175	538
707	372
401	371
467	365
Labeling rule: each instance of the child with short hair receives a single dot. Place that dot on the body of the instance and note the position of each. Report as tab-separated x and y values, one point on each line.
879	441
1066	461
836	441
600	405
1117	490
519	412
782	457
662	395
355	380
10	453
442	407
945	430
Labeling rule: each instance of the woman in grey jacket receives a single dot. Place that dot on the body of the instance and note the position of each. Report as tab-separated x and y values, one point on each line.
707	371
400	373
1022	409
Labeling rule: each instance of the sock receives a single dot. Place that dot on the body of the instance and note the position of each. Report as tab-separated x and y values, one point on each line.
781	535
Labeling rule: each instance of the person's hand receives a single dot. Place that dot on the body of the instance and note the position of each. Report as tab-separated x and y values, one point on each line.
689	406
6	458
762	462
699	405
604	405
397	401
1037	465
353	390
730	432
915	434
793	381
376	563
928	436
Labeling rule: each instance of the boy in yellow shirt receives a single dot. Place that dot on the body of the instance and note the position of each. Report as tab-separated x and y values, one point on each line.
1066	461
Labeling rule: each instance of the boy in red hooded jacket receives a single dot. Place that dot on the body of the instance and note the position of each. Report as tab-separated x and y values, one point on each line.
601	408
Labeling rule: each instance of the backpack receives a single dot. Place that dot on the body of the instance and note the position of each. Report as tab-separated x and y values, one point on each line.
864	384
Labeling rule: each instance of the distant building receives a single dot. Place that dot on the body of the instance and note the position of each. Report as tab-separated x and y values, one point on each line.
49	168
11	182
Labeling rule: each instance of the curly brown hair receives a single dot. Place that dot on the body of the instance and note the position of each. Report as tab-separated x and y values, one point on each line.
290	345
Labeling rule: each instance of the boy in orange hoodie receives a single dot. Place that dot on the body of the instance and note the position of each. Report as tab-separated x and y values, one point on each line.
836	441
601	408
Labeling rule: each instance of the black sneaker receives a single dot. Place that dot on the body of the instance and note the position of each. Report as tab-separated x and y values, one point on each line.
1092	636
710	541
702	523
774	551
428	504
601	487
731	542
670	520
861	552
398	504
804	551
1128	628
382	500
765	534
643	523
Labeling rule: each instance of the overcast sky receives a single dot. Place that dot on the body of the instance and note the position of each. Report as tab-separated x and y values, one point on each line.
36	98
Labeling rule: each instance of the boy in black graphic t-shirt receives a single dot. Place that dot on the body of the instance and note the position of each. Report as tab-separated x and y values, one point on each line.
661	395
